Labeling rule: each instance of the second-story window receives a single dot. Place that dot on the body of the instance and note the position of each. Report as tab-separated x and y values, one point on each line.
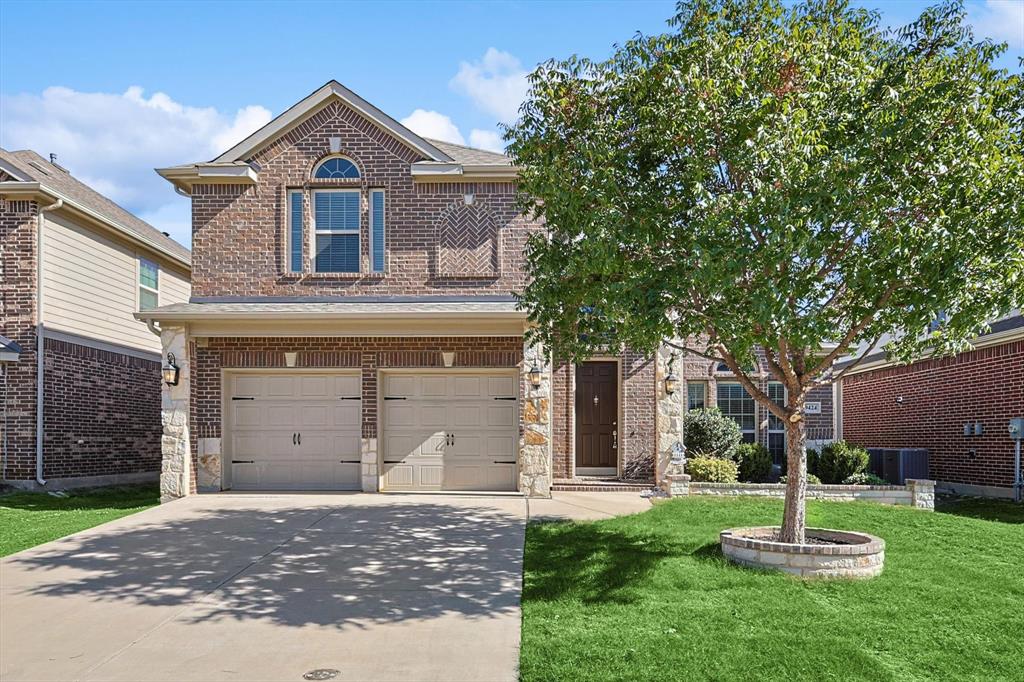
149	284
336	230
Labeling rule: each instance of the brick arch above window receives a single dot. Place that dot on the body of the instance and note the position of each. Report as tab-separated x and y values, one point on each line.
467	242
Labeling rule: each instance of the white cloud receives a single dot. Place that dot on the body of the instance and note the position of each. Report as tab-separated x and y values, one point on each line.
486	139
496	84
434	125
1000	20
112	142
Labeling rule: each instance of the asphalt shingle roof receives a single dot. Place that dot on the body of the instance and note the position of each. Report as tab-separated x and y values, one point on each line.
49	176
470	155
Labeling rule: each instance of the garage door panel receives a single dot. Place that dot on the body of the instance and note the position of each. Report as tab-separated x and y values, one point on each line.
264	431
418	454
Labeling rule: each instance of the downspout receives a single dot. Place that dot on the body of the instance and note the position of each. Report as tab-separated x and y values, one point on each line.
39	337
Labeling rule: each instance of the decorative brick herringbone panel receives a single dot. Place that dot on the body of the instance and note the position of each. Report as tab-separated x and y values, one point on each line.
467	241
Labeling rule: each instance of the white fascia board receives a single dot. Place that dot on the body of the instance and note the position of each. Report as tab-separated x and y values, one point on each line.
6	356
14	171
377	315
436	169
298	112
21	189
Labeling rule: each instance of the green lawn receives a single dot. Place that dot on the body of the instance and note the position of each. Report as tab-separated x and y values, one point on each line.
30	519
649	597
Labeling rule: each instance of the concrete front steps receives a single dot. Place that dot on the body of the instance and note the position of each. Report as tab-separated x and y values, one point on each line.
593	484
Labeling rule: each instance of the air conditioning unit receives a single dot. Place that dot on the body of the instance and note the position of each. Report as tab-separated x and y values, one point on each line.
896	465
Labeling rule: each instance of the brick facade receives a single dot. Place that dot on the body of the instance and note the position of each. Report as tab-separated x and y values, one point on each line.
18	315
927	403
239	232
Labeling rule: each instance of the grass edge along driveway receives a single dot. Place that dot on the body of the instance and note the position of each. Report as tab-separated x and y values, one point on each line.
28	519
650	597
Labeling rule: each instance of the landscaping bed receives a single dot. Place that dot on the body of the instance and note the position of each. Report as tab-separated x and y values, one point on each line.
651	596
28	519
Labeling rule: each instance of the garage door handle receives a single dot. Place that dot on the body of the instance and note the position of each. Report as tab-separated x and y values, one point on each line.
241	398
300	439
348	398
503	398
388	397
243	461
502	461
349	461
293	438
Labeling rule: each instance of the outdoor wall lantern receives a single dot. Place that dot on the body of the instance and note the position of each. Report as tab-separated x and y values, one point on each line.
170	371
671	380
535	375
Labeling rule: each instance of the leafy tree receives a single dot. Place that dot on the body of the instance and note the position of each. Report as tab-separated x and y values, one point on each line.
793	181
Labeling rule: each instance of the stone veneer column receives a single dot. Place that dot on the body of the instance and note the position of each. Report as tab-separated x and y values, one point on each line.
535	441
922	493
669	417
175	474
368	457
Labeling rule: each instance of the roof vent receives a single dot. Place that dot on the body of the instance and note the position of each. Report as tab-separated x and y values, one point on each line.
166	234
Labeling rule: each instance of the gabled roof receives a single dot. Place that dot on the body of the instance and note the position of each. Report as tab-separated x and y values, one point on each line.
30	170
471	156
298	112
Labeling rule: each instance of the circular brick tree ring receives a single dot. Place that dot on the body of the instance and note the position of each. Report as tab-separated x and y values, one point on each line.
836	554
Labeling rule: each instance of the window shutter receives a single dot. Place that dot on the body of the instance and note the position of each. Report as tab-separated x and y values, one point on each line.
295	231
377	230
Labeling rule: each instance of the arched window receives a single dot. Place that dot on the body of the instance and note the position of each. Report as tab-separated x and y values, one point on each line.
336	168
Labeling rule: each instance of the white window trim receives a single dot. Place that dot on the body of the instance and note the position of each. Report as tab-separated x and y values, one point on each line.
316	230
736	383
703	384
321	162
384	229
139	286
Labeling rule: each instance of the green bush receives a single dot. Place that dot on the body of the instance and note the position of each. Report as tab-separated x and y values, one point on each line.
864	478
709	433
811	479
755	462
840	460
712	470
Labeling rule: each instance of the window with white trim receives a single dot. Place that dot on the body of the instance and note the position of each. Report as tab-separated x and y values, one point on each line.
149	284
776	429
336	230
735	403
336	168
696	395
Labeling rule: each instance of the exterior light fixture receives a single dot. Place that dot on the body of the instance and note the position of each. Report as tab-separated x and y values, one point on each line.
535	375
671	380
170	371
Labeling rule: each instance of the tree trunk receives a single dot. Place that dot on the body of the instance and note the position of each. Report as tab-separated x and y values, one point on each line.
794	517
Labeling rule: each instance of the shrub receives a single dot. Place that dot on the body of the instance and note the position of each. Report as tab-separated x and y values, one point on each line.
709	433
864	478
712	470
755	462
840	460
811	479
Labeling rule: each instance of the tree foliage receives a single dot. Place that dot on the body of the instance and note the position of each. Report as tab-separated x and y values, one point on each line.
773	180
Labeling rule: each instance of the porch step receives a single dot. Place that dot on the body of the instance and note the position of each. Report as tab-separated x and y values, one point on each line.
600	485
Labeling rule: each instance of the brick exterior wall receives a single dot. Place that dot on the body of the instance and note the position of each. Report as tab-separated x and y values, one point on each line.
240	232
101	412
17	322
939	396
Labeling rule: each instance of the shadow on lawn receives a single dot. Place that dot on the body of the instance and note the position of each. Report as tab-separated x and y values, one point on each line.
1002	511
86	499
590	562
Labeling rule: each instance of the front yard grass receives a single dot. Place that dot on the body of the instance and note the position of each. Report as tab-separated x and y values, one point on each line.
650	597
28	519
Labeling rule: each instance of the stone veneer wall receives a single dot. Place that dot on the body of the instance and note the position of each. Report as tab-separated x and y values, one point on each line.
917	493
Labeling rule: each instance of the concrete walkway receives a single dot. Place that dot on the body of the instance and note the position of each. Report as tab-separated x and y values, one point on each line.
272	587
566	506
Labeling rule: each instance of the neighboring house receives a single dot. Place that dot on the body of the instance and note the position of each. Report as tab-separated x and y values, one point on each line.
353	326
940	403
98	420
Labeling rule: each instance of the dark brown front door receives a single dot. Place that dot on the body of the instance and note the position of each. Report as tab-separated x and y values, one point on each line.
597	414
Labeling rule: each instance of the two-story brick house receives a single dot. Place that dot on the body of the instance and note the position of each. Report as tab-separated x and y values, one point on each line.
79	375
353	326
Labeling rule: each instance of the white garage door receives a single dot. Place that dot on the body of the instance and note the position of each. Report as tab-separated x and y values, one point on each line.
449	431
294	431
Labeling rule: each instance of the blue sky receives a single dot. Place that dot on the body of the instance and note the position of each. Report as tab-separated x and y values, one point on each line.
118	88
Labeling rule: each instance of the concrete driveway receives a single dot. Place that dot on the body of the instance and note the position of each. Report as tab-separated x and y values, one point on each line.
273	587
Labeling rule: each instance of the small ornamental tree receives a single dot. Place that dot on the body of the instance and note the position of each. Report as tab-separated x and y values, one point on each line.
793	182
